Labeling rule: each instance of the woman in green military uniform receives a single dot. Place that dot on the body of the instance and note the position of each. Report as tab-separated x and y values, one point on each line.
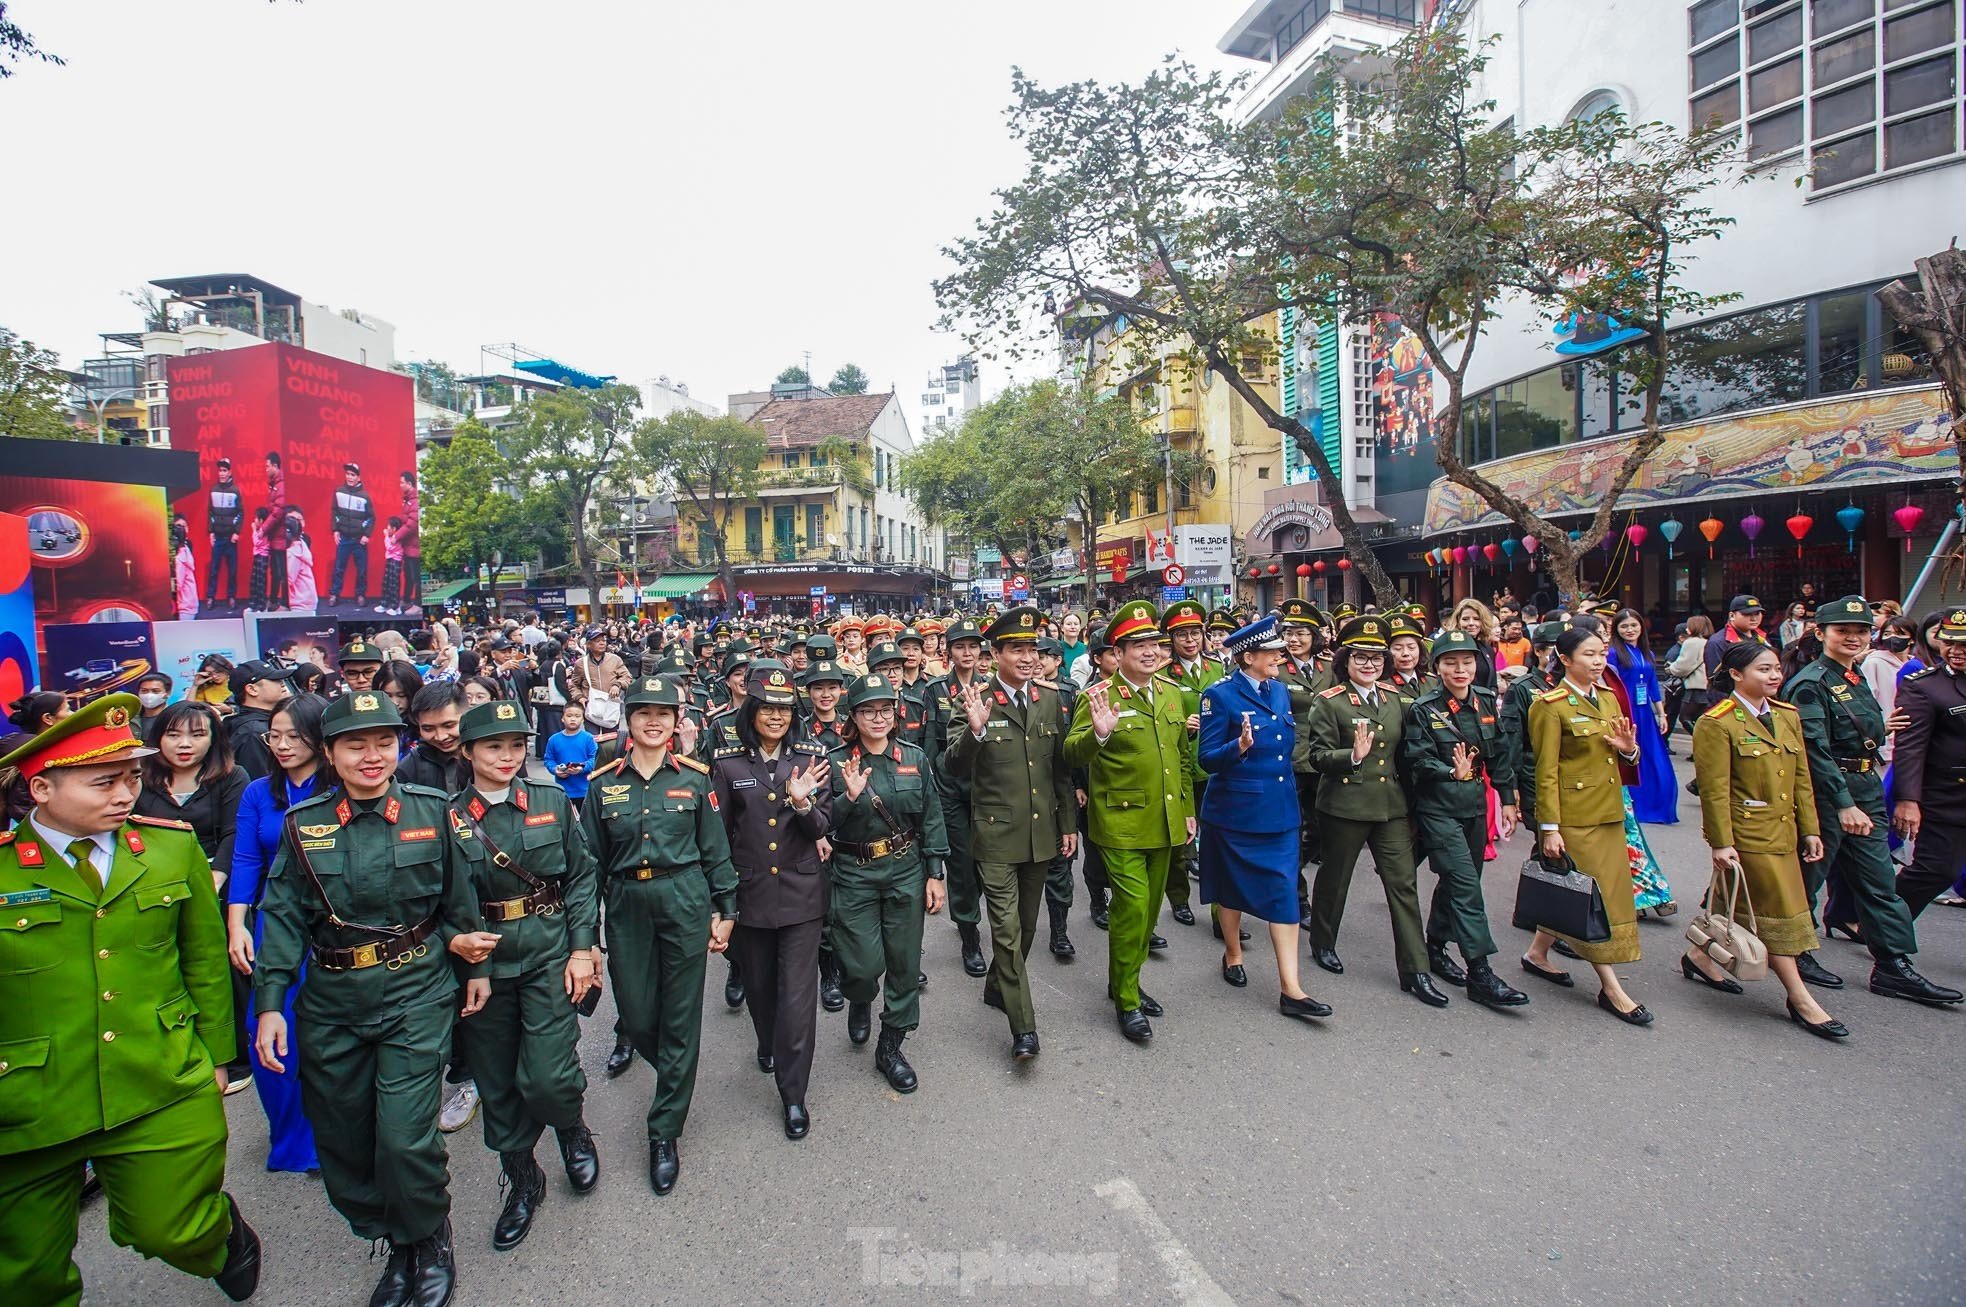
366	888
1757	810
1406	648
534	880
1579	737
888	846
651	820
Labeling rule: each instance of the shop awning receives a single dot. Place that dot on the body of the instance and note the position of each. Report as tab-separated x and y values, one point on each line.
680	586
1060	582
450	590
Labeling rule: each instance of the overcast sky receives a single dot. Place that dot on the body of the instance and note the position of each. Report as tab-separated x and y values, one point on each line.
706	190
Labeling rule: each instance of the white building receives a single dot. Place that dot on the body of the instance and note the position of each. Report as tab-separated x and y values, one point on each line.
950	392
661	397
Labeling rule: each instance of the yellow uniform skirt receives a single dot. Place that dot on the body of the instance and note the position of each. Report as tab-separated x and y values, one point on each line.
1781	904
1600	852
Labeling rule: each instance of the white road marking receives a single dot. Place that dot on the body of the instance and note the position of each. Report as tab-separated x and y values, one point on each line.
1192	1284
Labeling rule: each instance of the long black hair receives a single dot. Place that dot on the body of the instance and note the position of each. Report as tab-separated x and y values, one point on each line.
304	711
1570	642
27	711
157	772
1737	658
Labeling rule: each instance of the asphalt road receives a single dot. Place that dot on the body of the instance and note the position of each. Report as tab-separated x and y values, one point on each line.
1393	1154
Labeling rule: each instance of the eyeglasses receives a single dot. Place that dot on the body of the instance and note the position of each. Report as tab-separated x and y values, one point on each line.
273	739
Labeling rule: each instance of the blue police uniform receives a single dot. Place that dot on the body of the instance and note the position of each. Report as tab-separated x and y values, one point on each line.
1249	815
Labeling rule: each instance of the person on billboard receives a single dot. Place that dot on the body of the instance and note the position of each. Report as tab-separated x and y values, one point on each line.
262	558
392	566
225	514
303	596
184	571
354	523
412	543
276	533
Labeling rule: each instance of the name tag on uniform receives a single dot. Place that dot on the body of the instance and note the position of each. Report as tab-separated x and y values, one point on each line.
679	794
744	783
1957	709
997	721
1754	803
909	770
21	898
614	794
542	819
1128	712
1575	720
417	833
316	846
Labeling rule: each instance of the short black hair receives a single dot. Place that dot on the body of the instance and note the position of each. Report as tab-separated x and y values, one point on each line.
163	677
435	697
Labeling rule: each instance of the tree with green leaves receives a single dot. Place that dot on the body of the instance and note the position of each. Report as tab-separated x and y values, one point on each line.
793	376
565	455
714	464
848	380
33	392
17	46
469	517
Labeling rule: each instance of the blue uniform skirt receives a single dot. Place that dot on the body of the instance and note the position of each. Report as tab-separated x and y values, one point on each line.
1250	872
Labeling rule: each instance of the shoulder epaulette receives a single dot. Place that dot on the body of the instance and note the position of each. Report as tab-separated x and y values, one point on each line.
730	751
138	819
691	763
811	747
1332	693
1784	703
6	838
423	791
1554	696
605	768
1043	684
1921	673
1720	709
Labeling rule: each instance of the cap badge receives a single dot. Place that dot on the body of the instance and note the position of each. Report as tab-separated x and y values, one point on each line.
116	718
506	712
367	703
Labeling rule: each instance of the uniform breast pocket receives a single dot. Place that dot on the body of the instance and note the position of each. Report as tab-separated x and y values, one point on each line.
995	816
679	803
542	836
1582	728
157	912
30	938
23	1081
419	869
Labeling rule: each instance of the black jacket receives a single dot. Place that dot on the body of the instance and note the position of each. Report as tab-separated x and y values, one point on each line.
423	765
225	510
242	732
212	813
354	512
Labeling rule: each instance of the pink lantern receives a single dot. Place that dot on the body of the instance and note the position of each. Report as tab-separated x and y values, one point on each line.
1751	528
1460	555
1908	517
1532	544
1636	533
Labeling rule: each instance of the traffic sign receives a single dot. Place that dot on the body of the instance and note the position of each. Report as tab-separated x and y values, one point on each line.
818	592
1019	581
1172	594
1172	575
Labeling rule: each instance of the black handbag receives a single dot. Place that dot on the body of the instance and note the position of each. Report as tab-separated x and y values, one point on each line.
1557	897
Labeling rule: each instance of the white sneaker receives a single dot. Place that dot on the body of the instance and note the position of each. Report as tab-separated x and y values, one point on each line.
459	1108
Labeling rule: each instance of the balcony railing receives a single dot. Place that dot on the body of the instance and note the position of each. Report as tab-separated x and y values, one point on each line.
796	552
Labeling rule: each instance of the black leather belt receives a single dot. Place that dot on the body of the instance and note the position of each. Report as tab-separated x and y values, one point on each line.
543	902
878	849
647	873
394	951
1857	766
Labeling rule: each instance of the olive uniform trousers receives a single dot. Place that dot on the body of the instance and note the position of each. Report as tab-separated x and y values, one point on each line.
523	1046
658	931
877	931
1459	914
1391	843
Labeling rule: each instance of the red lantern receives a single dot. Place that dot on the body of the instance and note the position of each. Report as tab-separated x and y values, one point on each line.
1255	572
1908	517
1491	552
1711	528
1275	568
1636	534
1799	527
1344	564
1303	569
1318	567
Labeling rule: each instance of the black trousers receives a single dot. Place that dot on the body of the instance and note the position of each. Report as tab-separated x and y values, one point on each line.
1935	864
1093	869
276	580
780	965
226	552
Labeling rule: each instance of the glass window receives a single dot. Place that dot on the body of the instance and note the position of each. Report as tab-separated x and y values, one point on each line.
1537	412
1775	133
1710	18
1839	111
1595	103
1775	85
1828	15
1596	382
1928	29
1844	160
1918	85
1840	342
754	530
1777	35
1914	140
1845	57
815	525
1743	361
1718	107
1709	66
1905	358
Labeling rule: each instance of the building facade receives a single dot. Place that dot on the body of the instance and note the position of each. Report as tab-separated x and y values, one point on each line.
951	391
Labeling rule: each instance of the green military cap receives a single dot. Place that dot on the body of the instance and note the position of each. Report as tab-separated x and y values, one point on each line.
702	644
359	650
869	689
1183	614
1417	611
963	630
822	671
1299	612
821	645
676	663
797	640
89	736
1452	642
1020	623
1096	616
1851	610
887	651
1551	632
1370	632
499	717
771	684
910	633
1133	620
1401	624
735	658
1599	607
653	692
360	710
1344	612
1097	643
1047	645
1224	621
747	646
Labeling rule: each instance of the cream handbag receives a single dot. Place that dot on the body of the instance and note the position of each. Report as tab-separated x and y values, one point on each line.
1720	934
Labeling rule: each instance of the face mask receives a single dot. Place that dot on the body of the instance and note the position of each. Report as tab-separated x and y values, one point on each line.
1895	643
153	700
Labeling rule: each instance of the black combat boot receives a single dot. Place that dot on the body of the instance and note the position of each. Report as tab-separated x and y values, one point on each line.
890	1063
972	944
1061	943
436	1270
524	1182
859	1019
830	996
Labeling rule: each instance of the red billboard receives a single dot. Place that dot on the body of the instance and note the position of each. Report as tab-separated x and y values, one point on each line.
307	482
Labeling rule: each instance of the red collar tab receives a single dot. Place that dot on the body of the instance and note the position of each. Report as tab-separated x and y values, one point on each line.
132	839
344	812
1002	698
518	794
476	808
897	753
1851	676
392	810
30	855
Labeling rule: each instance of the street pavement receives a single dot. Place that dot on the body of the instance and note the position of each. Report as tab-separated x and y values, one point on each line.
1393	1154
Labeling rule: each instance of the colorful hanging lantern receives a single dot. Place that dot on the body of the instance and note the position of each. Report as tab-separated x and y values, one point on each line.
1509	545
1636	533
1491	552
1751	528
1670	529
1576	535
1711	527
1532	544
1460	555
1275	568
1850	517
1344	564
1798	526
1318	567
1255	572
1908	516
1303	569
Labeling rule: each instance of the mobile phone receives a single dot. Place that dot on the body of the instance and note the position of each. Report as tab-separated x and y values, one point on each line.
587	1005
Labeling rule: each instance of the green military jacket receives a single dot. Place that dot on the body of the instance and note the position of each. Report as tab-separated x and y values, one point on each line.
1021	800
903	779
1304	682
1368	790
387	863
1437	722
911	720
668	821
1139	785
1411	684
946	720
1515	726
112	1005
1755	792
537	829
1843	729
1206	672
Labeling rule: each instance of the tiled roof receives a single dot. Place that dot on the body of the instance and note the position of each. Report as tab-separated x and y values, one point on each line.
789	422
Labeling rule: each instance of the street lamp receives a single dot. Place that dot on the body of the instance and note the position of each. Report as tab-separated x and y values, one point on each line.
98	405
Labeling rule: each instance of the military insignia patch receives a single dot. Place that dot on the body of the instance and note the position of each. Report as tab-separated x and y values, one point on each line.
316	832
367	703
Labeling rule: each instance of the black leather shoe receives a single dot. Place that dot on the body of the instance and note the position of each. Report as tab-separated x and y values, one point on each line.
766	1062
524	1182
1421	986
734	989
1328	959
1024	1047
664	1164
1184	914
1155	944
796	1121
921	980
578	1155
830	996
1831	1029
1150	1006
618	1060
1726	984
1489	989
393	1289
1638	1016
889	1061
1563	950
239	1277
859	1021
435	1279
1099	912
1894	978
1061	943
1445	967
972	946
1303	1009
1813	972
1562	978
1134	1025
1234	973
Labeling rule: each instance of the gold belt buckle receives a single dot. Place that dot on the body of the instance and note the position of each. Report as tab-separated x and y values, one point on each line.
365	955
878	849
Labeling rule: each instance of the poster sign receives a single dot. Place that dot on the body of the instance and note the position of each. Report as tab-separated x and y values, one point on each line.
182	646
1205	551
19	670
87	660
97	550
298	639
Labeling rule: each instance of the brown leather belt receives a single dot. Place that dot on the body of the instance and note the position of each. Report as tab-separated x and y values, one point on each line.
394	952
543	902
1857	766
878	849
